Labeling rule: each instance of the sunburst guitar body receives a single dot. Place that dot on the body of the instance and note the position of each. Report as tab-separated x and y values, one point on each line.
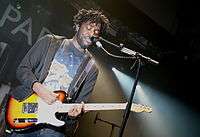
33	111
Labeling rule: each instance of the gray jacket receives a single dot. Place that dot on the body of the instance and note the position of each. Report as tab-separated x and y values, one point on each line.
35	65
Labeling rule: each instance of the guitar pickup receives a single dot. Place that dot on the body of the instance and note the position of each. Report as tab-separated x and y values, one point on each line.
28	108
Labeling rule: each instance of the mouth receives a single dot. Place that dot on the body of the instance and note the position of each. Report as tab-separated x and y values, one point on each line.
87	39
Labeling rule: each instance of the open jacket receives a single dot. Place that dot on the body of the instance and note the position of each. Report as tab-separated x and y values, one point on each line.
36	63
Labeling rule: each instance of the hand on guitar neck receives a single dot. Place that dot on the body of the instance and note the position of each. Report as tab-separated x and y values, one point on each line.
51	97
76	110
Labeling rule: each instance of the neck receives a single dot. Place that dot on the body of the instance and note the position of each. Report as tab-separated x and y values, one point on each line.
93	106
77	45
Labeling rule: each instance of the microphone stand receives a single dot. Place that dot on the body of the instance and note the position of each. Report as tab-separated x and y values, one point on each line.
130	100
138	56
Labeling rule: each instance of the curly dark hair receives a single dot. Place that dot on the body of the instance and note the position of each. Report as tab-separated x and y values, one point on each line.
91	15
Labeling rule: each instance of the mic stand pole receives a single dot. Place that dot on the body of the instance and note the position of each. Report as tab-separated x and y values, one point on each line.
128	107
138	56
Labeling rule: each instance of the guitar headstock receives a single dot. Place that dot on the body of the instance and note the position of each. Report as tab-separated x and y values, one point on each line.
140	108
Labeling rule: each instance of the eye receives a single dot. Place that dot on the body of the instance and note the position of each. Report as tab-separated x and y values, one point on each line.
89	27
96	32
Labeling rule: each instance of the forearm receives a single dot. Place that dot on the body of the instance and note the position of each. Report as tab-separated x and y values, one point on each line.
38	87
44	93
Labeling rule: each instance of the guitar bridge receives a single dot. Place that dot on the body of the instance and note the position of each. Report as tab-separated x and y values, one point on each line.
25	120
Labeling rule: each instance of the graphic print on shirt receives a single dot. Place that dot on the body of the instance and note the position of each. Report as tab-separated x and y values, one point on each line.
63	67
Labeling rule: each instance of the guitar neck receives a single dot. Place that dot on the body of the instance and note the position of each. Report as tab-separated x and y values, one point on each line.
93	106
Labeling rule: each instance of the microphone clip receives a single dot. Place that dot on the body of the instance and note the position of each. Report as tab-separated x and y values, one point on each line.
94	39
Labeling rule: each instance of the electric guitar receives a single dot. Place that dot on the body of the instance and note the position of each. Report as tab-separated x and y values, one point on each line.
33	111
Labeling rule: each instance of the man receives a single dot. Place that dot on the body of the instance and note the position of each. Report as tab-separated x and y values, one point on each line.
57	63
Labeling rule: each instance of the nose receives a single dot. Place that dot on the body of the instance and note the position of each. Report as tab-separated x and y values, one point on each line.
92	31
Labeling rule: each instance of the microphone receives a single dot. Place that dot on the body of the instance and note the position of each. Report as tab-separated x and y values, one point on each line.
98	44
95	40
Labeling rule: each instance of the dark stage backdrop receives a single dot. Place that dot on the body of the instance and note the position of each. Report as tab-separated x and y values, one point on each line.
22	22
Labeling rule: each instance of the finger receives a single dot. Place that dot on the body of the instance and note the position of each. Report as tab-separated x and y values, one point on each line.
49	102
77	110
71	111
54	95
52	100
71	114
83	106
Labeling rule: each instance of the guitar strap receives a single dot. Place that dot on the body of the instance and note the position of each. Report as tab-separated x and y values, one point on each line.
81	79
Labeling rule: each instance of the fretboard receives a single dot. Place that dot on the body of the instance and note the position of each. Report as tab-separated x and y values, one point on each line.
93	106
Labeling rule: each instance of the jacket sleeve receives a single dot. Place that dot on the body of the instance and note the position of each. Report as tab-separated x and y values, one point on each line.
88	85
25	71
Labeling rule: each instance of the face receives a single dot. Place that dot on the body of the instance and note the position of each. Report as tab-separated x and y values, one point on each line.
85	32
